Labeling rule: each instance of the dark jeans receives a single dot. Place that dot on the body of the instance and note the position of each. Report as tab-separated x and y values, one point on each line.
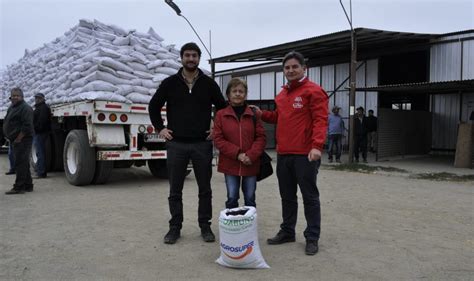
335	142
179	154
293	171
249	184
360	144
22	151
39	141
11	157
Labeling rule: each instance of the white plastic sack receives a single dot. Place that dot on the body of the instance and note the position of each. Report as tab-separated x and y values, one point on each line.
239	239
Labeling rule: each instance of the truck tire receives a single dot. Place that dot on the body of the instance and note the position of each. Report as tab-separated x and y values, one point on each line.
57	142
103	169
48	156
159	170
123	164
78	158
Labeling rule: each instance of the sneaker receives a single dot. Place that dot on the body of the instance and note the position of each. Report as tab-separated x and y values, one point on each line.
172	236
29	188
338	160
311	247
15	191
40	176
281	238
10	173
207	234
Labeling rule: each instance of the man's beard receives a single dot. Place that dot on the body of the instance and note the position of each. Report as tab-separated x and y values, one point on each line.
190	69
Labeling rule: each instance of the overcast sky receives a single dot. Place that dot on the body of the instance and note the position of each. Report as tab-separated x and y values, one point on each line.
236	25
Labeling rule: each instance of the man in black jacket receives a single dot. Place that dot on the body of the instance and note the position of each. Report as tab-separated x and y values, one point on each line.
42	124
189	96
360	135
18	129
372	131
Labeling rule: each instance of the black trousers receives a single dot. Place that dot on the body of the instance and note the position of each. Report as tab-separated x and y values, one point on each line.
293	171
360	144
179	154
22	151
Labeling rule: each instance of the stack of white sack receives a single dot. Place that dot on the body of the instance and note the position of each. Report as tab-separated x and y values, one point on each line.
93	61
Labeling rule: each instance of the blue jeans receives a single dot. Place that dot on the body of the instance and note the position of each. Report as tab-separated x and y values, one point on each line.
335	141
11	157
39	141
249	184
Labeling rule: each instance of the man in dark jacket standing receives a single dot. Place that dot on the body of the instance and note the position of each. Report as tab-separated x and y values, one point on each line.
372	131
42	125
360	132
18	128
189	96
301	116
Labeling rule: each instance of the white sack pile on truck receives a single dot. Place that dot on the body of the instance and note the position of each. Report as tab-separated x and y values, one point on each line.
93	61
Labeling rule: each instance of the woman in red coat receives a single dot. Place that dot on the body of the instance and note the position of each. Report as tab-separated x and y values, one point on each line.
240	141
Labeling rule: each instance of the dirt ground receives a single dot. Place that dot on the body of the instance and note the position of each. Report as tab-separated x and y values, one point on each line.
374	227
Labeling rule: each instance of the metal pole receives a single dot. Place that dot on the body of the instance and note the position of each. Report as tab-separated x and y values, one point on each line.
353	70
352	85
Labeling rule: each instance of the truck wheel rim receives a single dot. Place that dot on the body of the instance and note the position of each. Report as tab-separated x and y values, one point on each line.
71	158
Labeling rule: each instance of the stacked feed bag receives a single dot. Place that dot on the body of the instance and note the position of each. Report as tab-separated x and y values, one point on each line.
93	61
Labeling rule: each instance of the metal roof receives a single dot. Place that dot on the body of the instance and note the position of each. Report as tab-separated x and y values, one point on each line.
424	87
334	44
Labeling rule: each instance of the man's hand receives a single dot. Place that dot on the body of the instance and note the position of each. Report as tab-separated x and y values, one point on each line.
19	137
258	111
209	136
166	134
314	155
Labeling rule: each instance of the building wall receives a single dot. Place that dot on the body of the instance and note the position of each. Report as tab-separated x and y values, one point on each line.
451	61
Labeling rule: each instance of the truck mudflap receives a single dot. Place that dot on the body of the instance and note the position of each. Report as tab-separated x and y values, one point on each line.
111	155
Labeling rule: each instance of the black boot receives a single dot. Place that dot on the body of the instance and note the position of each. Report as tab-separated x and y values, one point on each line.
15	190
206	233
281	238
172	236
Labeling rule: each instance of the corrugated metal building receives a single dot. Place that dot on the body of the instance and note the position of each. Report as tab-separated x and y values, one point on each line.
419	85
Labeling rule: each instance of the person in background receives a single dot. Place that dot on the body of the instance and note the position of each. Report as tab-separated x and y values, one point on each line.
360	135
42	125
18	129
335	132
189	96
301	116
372	131
240	142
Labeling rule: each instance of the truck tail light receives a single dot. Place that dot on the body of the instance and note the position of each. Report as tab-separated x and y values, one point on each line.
113	117
123	118
150	129
101	117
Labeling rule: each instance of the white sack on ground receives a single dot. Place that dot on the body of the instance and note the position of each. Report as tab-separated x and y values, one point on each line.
238	236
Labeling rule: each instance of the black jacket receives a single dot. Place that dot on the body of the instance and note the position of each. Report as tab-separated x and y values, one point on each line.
42	118
371	124
188	112
19	118
360	127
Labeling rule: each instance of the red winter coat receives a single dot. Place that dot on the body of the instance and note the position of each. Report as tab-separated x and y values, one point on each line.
301	115
232	137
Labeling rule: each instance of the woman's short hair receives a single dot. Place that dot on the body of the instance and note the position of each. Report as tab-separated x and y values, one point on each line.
234	82
17	90
294	55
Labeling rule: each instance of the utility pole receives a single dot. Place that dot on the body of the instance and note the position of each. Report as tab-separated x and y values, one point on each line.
352	85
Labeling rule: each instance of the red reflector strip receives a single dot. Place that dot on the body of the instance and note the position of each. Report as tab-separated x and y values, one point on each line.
113	155
134	142
138	108
113	106
66	113
85	113
158	154
136	155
